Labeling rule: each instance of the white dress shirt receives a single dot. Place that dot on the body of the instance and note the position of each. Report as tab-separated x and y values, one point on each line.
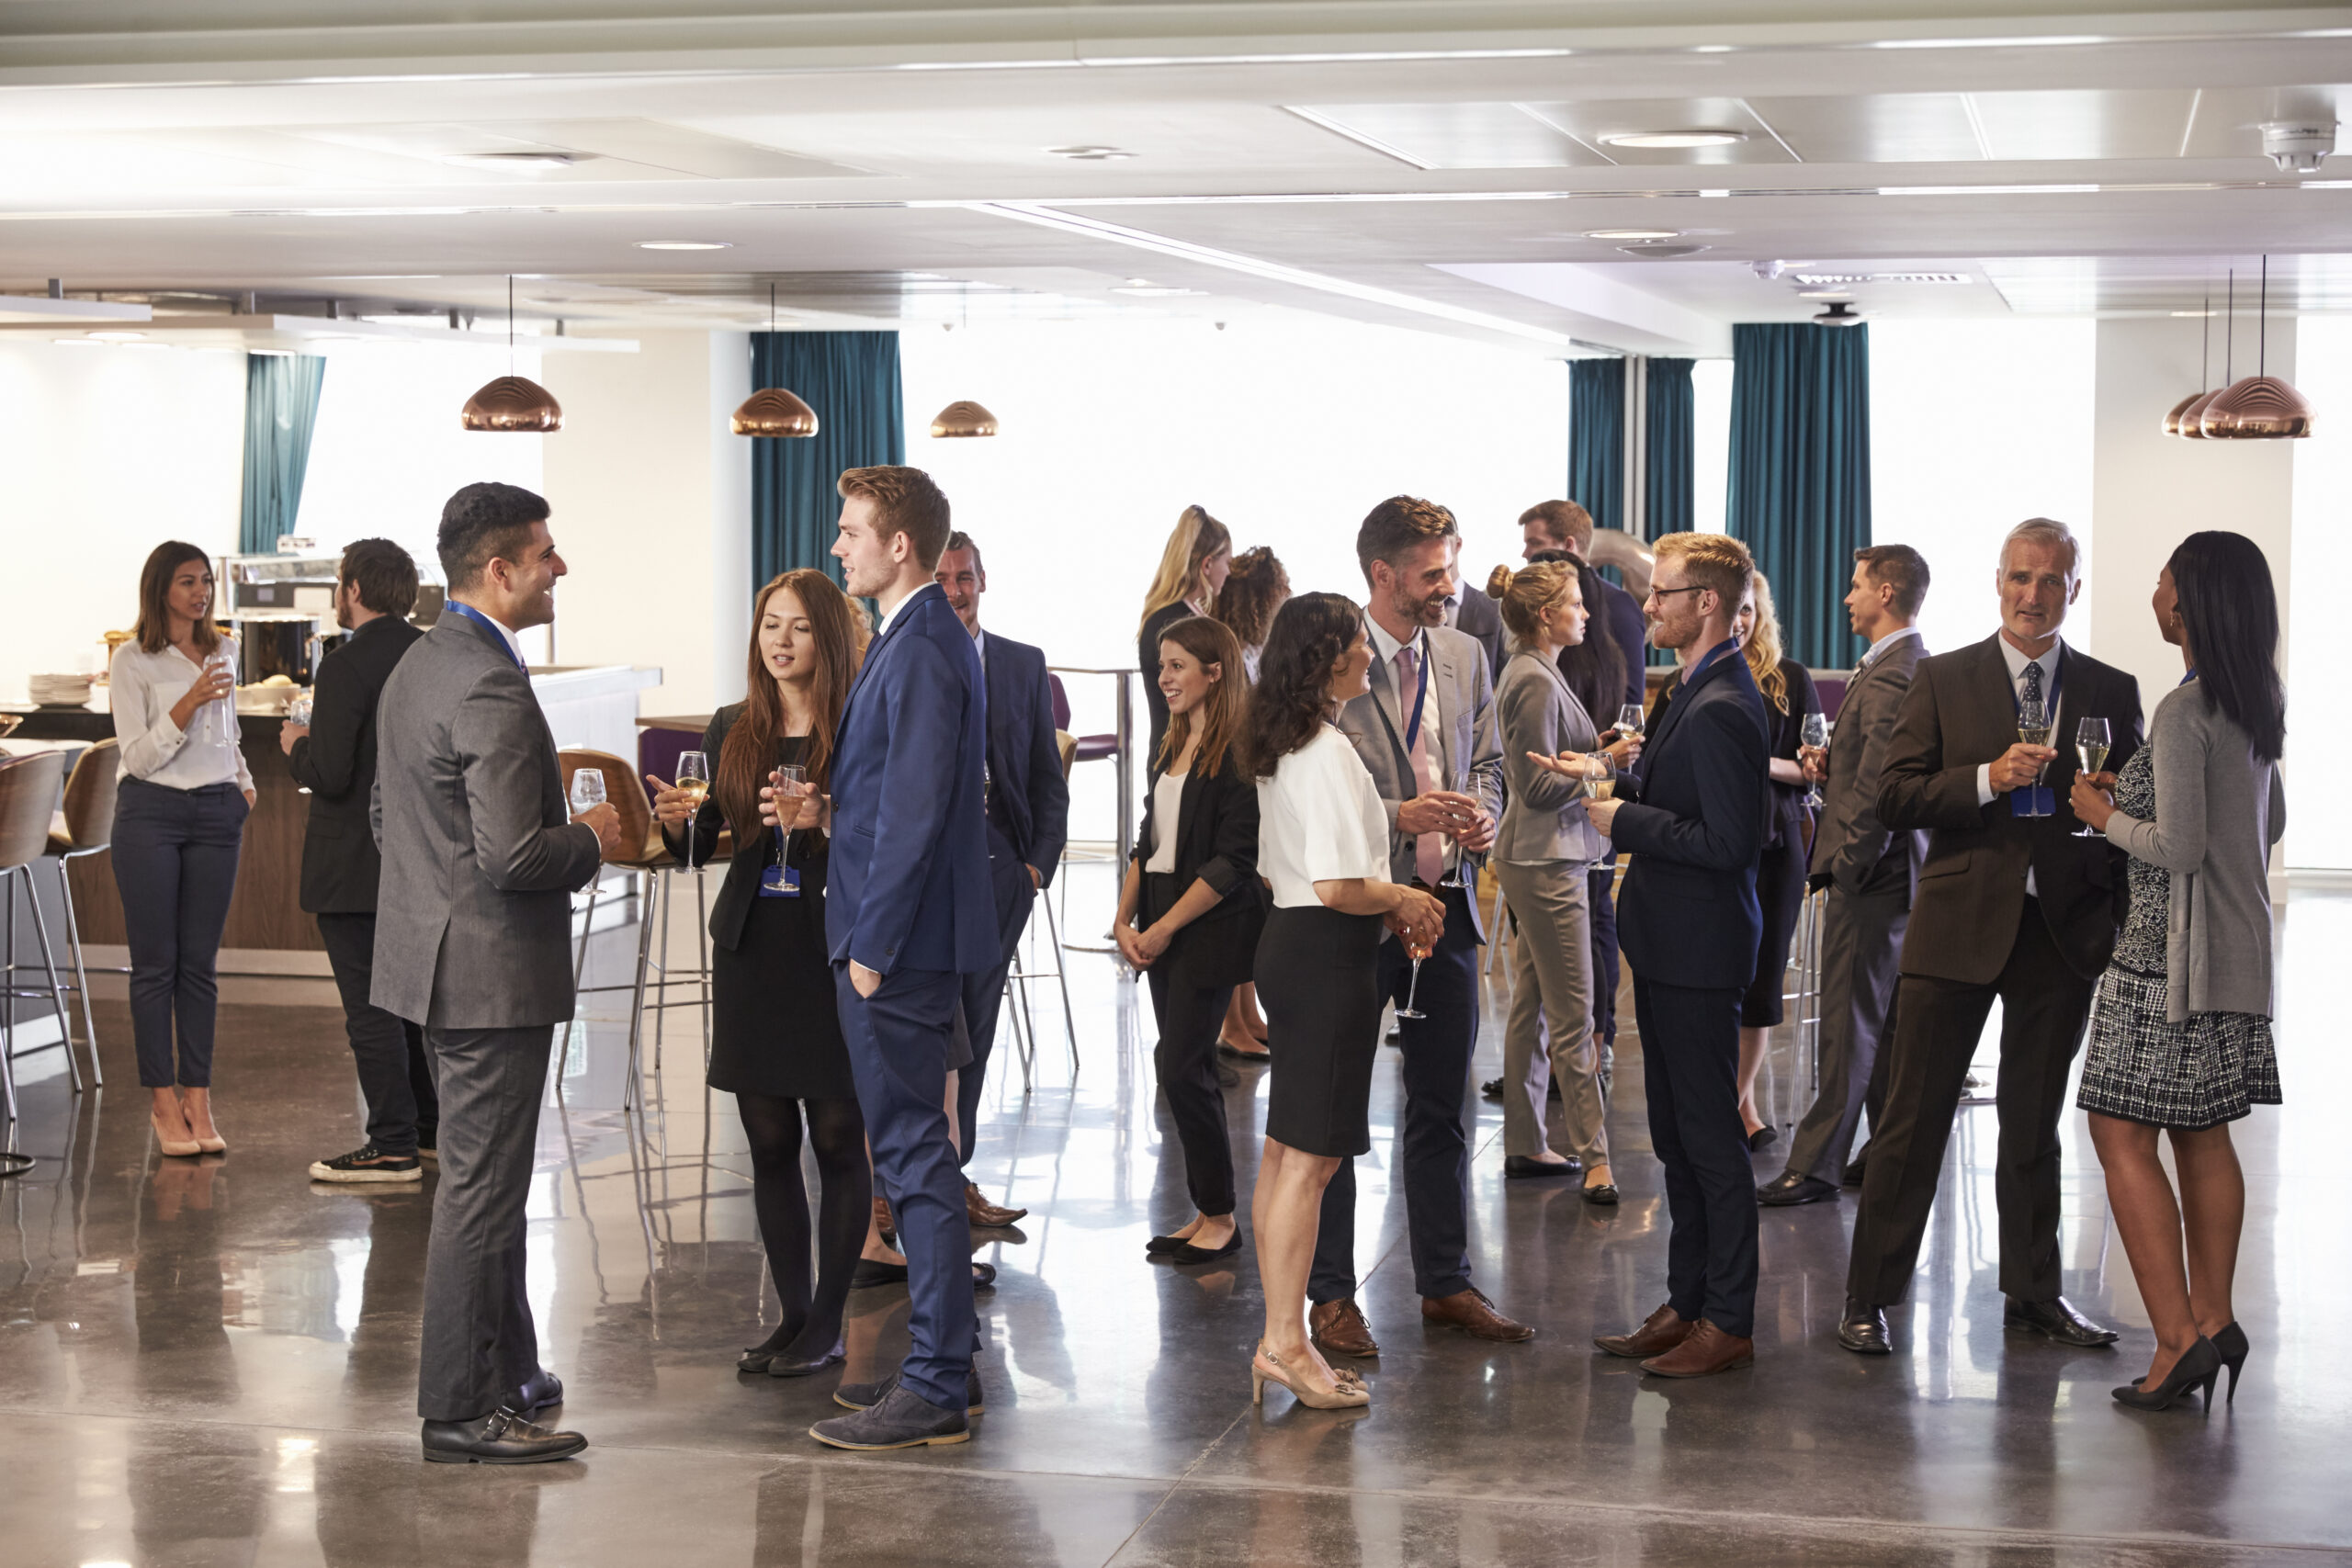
1319	819
1167	814
514	643
144	687
1889	640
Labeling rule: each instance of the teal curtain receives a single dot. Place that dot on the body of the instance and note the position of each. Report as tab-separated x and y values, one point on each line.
1597	439
851	380
1667	477
281	406
1798	489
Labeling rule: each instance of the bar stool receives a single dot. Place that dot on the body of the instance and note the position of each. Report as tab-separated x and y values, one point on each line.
1017	979
28	791
85	827
1117	748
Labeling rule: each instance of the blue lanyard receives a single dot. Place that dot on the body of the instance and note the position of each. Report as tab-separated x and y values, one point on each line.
473	614
1722	651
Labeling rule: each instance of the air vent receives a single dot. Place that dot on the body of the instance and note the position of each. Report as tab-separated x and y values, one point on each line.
1843	279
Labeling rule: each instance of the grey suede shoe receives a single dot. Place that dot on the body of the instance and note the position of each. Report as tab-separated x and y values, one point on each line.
904	1420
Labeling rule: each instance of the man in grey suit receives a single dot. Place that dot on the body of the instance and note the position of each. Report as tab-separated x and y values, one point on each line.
1870	869
473	942
1426	732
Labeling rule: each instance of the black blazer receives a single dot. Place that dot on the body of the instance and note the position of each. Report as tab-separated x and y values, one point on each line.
807	853
1217	842
1784	733
1688	915
336	762
1028	796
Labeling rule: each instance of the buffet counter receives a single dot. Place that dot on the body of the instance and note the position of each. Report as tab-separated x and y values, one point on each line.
593	706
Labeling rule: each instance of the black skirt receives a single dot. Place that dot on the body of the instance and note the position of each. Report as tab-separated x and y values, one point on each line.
1319	978
775	1025
1780	891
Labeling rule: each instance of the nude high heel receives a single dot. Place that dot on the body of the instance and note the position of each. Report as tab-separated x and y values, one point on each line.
170	1145
1266	1366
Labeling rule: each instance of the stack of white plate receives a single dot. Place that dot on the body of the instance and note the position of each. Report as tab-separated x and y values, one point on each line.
60	691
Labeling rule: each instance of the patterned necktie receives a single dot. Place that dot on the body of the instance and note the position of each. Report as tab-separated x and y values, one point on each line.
2034	685
1428	849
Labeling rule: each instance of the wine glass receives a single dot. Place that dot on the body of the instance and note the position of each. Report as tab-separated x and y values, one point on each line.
1601	776
790	781
299	709
2091	739
2033	728
587	789
1413	987
1816	735
694	780
1630	719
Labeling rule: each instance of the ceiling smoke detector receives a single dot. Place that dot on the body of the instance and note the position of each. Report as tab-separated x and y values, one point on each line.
2297	146
1839	315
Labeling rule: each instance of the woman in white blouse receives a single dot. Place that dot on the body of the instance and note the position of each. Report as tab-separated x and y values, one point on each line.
179	820
1323	848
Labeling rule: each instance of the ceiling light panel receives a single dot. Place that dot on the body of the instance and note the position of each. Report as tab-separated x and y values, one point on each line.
1876	127
1456	136
1593	121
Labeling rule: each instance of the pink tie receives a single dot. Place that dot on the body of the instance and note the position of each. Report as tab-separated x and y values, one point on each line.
1428	849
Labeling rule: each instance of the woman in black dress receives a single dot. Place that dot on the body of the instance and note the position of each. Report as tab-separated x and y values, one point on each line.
1192	573
775	1034
1191	912
1789	695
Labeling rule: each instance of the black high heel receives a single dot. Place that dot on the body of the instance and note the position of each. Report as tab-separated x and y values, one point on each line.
2230	1341
2198	1366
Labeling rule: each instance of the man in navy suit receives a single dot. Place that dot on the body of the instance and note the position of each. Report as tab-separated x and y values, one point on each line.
908	913
1028	817
1690	925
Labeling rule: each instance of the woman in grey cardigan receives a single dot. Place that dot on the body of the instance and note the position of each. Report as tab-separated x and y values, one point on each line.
2180	1029
1541	853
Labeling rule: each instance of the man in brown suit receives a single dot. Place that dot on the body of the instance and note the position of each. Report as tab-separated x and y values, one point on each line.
2009	905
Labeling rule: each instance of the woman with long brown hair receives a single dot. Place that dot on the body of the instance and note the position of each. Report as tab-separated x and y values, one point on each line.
1192	573
1191	911
776	1038
179	823
1254	591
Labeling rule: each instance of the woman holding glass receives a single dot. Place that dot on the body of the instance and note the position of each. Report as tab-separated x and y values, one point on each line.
1193	568
776	1038
179	822
2180	1039
1788	698
1323	848
1543	852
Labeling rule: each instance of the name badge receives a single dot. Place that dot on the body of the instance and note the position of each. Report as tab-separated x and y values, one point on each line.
779	882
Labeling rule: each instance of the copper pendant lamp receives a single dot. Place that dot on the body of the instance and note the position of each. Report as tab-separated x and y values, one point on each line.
512	404
963	418
771	411
2262	407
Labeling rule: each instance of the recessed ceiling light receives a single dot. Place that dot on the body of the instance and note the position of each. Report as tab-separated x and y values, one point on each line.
685	244
1090	154
513	160
1695	135
116	337
1632	233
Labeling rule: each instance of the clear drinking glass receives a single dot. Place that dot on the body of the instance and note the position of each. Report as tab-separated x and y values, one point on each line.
2091	743
1413	987
299	711
1601	776
694	779
587	789
790	781
1817	734
1630	719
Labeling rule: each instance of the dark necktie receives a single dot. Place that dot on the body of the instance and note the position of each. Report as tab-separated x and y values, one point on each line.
2034	685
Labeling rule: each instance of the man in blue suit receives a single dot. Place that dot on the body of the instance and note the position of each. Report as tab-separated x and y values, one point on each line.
1690	924
1028	816
907	914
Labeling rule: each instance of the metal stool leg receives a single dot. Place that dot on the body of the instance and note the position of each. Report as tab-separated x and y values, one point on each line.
1494	929
652	891
81	973
1061	978
8	1009
56	992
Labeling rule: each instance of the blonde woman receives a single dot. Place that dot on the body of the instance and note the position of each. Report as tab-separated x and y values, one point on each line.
1789	696
1191	570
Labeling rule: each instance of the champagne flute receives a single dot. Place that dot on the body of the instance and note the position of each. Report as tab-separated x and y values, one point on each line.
587	789
790	781
694	781
2033	728
1413	987
1816	735
2091	739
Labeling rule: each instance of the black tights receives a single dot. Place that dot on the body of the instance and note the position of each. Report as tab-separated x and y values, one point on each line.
812	1315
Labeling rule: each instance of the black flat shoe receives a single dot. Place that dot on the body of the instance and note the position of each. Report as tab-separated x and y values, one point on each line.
869	1273
2198	1367
1764	1137
2055	1321
544	1392
1187	1253
984	1276
2230	1341
502	1436
782	1366
1863	1330
1492	1089
1232	1054
1519	1167
1601	1194
1789	1189
1161	1244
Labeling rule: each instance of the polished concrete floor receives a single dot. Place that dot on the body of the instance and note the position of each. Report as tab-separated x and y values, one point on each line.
213	1362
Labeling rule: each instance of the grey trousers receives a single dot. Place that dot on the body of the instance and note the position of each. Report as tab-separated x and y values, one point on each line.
479	1341
1551	998
1861	940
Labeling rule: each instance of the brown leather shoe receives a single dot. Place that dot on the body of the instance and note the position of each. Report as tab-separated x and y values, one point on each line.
1704	1351
1472	1313
1661	1333
1338	1328
985	1214
882	1221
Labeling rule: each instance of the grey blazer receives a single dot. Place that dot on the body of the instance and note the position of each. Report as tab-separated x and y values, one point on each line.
1850	845
2219	810
473	915
1538	713
1461	714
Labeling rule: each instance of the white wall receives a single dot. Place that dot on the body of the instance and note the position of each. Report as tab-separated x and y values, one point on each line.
111	451
1975	426
2319	714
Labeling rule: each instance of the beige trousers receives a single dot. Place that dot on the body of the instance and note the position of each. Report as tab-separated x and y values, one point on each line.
1551	998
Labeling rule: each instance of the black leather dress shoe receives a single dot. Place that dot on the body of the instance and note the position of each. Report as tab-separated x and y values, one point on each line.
1519	1167
544	1392
1863	1330
1790	1187
2054	1320
502	1436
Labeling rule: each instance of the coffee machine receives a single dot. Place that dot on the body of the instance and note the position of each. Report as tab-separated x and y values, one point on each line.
281	609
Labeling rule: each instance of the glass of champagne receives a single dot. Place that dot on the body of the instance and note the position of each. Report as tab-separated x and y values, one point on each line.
1413	987
1815	734
694	780
587	789
2091	740
2033	728
790	781
1601	776
1630	719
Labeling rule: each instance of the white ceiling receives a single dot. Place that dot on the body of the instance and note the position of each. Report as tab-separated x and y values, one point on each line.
1411	162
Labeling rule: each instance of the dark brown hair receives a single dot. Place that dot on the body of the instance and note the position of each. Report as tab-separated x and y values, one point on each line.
155	628
1901	568
960	540
1397	524
1565	520
907	501
1292	698
384	574
1211	642
750	749
1253	590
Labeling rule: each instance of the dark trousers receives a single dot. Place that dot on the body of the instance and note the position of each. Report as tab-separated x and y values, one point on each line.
983	992
1862	938
480	1343
390	1052
2044	1004
175	866
1690	1072
1190	1017
898	1051
1435	1161
1600	904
